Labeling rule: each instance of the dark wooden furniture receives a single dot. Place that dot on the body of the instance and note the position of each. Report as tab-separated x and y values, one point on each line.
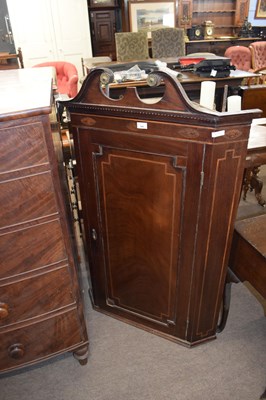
227	17
40	306
254	94
248	252
105	20
103	28
247	260
110	16
244	240
217	46
160	187
11	61
248	255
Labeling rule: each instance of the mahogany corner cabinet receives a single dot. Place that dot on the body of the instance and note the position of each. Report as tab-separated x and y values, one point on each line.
159	187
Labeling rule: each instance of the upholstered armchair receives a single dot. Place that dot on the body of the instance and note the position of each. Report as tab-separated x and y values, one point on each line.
240	57
168	42
66	76
258	55
131	46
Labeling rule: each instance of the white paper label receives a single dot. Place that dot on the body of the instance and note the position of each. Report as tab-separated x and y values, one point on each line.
142	125
213	72
218	133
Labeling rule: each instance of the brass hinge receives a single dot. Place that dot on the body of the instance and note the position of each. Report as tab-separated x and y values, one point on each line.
201	178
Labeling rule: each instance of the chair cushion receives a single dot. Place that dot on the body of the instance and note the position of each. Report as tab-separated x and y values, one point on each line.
168	42
240	57
131	46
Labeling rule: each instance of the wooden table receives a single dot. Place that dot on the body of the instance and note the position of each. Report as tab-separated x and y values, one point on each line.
247	261
190	81
248	252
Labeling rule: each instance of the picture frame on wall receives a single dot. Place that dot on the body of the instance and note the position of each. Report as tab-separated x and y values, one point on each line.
150	15
260	9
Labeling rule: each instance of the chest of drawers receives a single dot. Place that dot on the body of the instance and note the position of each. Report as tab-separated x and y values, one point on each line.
40	305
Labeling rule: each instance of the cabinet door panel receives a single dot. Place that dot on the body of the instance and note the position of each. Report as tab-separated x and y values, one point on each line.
103	28
141	224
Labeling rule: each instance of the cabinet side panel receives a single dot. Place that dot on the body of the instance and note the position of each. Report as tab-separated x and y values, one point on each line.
224	168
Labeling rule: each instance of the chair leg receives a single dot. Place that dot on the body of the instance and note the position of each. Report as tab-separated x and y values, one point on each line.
263	396
230	278
225	307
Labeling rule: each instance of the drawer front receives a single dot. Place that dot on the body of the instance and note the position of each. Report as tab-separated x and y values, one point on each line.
22	146
31	248
35	296
39	341
26	198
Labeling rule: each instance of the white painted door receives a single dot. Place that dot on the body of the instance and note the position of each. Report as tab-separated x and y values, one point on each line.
51	30
71	29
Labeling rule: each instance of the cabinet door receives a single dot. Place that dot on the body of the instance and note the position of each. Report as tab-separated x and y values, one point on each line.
71	30
136	214
103	28
51	32
33	30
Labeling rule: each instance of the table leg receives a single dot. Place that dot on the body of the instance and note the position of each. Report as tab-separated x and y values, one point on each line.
246	182
252	182
257	185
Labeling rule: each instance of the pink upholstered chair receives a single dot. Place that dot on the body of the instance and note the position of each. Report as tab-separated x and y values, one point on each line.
66	76
240	57
258	55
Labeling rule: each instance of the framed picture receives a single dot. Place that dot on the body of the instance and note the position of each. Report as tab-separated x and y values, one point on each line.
150	15
261	9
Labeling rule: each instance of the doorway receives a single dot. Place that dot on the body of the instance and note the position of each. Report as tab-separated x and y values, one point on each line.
7	44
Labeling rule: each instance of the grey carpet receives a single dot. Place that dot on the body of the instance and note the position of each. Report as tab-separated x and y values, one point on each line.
126	363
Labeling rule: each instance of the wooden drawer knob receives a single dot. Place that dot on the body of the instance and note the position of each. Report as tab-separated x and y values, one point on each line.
3	310
16	351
